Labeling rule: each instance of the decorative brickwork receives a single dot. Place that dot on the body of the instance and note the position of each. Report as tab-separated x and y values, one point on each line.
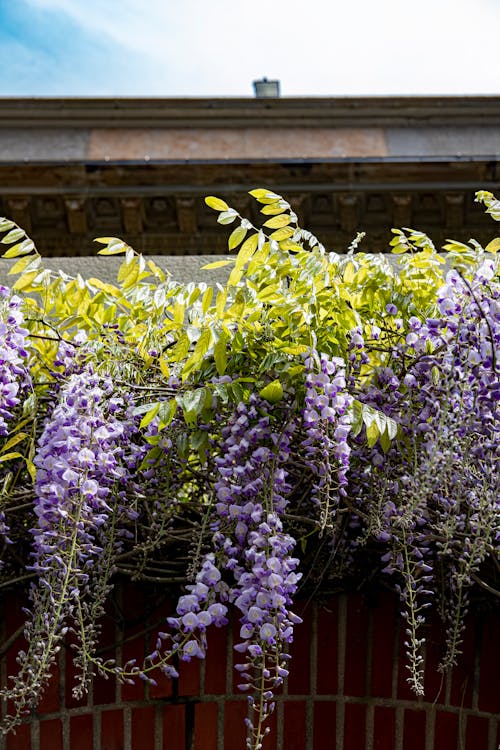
347	689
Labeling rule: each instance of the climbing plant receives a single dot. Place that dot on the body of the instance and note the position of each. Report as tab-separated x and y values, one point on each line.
340	410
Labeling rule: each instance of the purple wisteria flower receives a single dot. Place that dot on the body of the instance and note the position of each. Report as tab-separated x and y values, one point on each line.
15	380
327	421
432	500
83	457
251	566
14	377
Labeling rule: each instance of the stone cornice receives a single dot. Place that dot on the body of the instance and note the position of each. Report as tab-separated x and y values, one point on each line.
235	113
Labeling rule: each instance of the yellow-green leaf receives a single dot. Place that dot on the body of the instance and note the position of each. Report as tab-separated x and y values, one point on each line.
220	354
276	222
282	234
349	272
13	236
493	246
216	203
117	248
22	248
14	441
372	433
217	264
165	370
220	302
227	217
181	349
31	468
247	250
156	270
25	280
150	414
179	312
206	299
10	456
20	265
264	196
272	392
203	344
273	209
108	288
291	247
236	236
235	276
108	240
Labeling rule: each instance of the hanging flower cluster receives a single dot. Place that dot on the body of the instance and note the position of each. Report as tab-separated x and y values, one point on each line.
327	423
443	391
83	457
14	374
196	436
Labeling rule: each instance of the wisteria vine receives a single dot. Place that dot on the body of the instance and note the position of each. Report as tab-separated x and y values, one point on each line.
201	440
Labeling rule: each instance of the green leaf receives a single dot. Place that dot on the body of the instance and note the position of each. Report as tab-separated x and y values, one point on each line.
357	418
391	427
272	392
385	441
166	413
193	403
150	414
220	354
203	344
6	224
372	433
181	348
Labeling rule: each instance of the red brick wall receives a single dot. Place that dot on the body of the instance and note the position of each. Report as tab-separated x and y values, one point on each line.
347	690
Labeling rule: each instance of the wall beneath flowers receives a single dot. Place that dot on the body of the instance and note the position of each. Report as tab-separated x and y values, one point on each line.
346	691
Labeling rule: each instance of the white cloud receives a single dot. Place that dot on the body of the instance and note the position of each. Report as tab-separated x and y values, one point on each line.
323	47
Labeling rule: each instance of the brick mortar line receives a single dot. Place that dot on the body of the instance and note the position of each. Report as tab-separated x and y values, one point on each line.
293	698
341	649
399	728
370	712
158	729
35	734
127	728
96	729
313	678
492	735
430	725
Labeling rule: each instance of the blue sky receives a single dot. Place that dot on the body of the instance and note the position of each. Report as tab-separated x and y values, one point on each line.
217	47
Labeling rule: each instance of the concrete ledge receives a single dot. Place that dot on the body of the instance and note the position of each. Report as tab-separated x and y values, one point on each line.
376	111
